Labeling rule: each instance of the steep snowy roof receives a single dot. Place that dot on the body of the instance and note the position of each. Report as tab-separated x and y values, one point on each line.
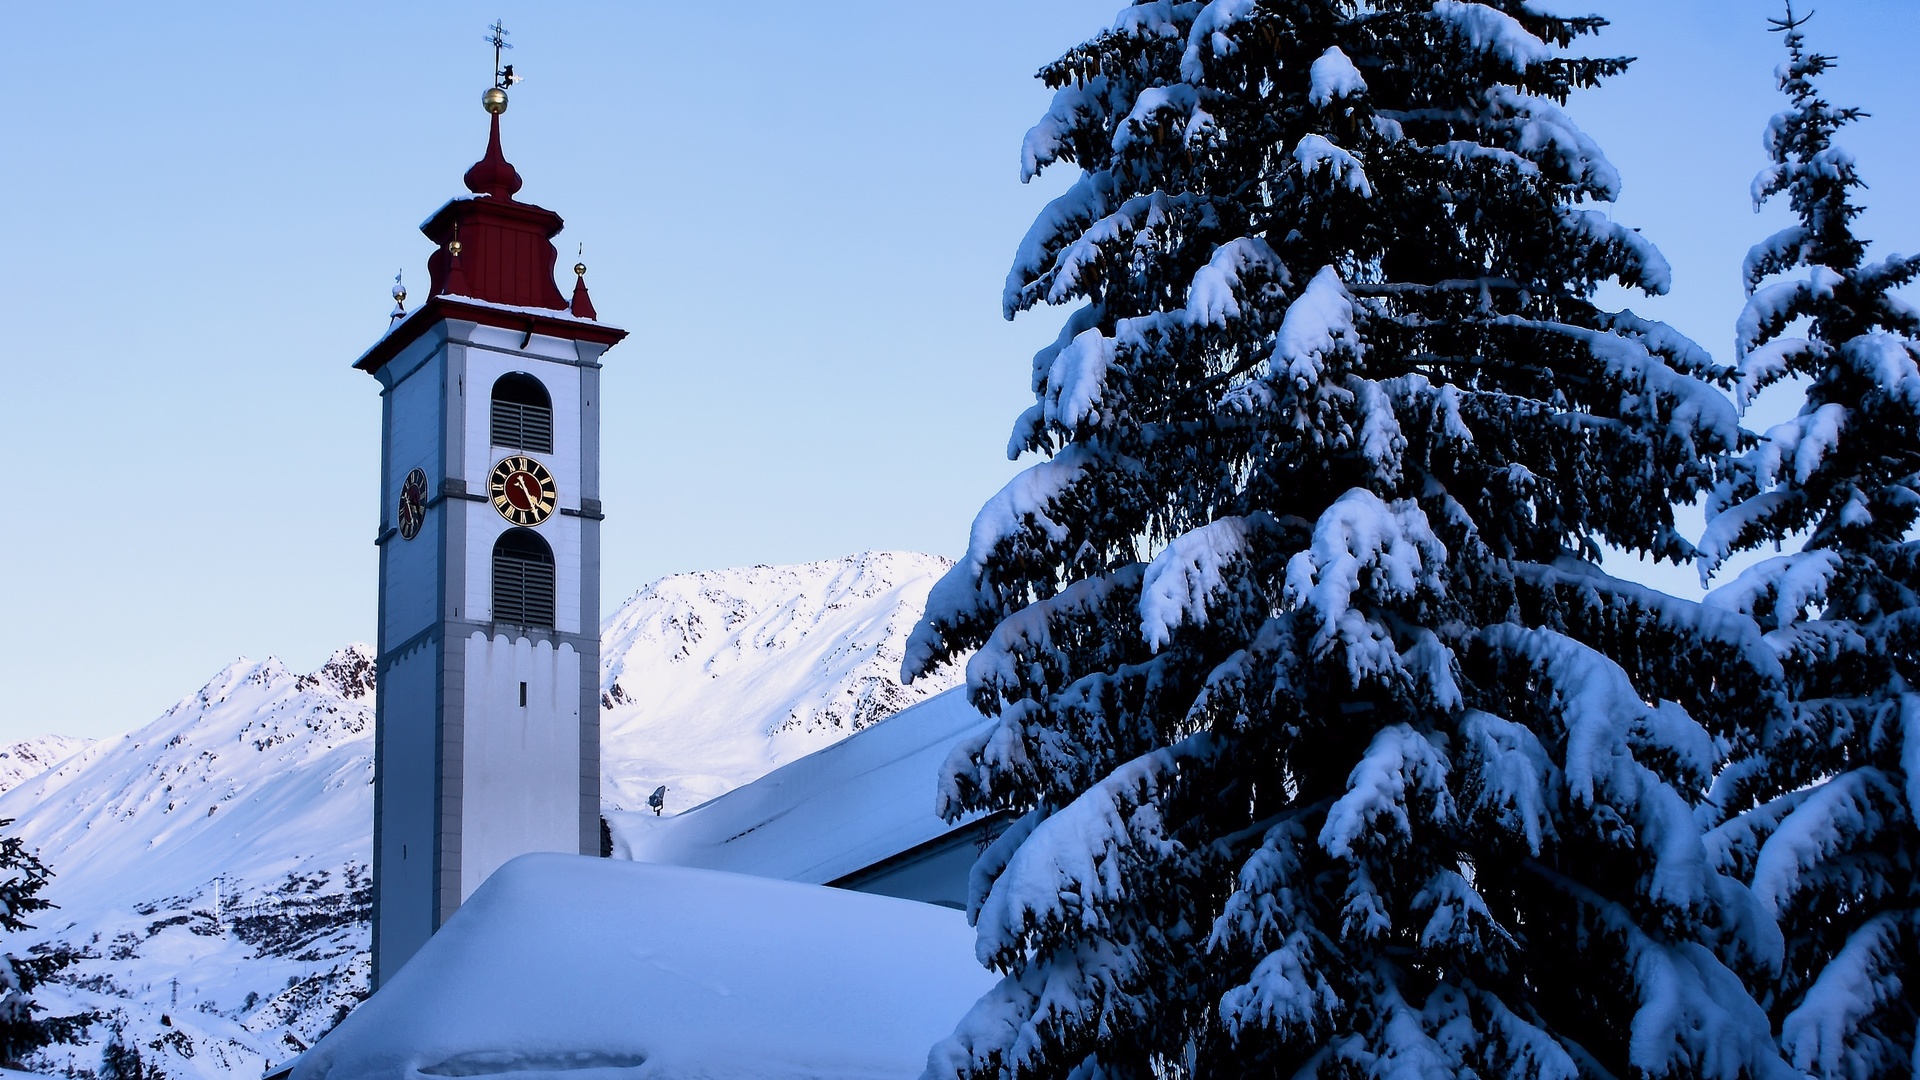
826	815
561	965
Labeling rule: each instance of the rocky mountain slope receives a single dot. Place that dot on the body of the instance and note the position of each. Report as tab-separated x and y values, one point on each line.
213	865
31	757
212	869
712	679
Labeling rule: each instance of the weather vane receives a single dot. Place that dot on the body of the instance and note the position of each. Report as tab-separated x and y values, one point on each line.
503	77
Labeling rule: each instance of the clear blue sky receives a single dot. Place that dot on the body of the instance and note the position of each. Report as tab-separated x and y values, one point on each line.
803	212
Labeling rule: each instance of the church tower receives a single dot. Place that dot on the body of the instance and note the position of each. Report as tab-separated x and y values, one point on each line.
487	729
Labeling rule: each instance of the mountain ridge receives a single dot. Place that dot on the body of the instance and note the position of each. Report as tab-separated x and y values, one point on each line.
25	759
213	865
839	628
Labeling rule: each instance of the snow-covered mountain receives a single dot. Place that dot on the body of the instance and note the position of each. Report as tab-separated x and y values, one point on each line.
213	865
31	757
712	679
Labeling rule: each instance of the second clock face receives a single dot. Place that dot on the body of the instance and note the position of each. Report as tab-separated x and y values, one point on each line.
522	490
413	503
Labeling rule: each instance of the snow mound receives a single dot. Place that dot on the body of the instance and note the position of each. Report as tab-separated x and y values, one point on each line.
567	966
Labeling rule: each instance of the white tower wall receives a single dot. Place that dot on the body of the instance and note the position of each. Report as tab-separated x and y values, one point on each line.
517	755
467	777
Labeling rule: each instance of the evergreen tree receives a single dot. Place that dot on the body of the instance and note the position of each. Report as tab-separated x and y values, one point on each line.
120	1061
1824	811
22	876
1334	749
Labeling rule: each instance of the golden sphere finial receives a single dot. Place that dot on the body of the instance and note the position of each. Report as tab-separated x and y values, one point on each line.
494	100
580	269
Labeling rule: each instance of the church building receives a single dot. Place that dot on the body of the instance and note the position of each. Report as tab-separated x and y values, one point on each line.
487	736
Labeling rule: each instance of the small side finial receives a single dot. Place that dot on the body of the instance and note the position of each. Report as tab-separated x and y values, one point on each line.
582	304
399	300
456	266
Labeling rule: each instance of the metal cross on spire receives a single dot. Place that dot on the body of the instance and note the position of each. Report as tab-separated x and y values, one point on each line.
503	77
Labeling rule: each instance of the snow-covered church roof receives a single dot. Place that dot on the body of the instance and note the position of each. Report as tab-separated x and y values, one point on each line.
562	966
717	952
825	816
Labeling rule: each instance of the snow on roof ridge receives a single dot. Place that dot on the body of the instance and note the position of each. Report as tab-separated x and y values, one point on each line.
831	813
560	313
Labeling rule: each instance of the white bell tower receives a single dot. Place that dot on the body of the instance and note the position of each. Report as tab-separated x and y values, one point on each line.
487	732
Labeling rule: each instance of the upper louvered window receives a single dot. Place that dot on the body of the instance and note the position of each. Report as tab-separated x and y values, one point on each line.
522	579
522	414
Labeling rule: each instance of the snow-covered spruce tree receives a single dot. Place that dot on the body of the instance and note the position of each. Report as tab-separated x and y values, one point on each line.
1309	692
120	1061
1824	811
22	876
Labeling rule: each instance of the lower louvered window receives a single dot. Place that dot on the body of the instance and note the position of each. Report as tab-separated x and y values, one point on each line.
522	579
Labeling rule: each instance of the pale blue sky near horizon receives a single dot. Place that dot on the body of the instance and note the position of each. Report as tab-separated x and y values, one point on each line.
803	213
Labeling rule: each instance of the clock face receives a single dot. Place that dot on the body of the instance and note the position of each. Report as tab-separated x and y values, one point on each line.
413	503
522	490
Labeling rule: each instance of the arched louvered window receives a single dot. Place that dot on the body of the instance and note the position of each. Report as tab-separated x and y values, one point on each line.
522	579
522	413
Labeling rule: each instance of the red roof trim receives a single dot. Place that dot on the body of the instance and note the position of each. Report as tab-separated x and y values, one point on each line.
438	309
439	227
